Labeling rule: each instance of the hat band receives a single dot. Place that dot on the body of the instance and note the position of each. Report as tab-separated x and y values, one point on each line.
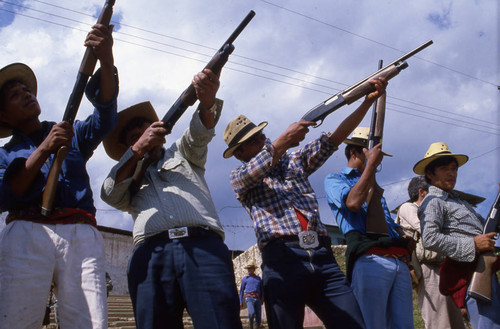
236	139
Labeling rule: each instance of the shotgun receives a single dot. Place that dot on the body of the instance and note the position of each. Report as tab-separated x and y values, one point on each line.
85	71
188	97
375	216
360	89
480	286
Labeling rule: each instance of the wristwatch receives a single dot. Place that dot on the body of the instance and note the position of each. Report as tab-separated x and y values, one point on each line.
210	110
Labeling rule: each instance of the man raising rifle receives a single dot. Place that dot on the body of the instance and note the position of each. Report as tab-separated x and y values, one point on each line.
64	247
298	264
180	259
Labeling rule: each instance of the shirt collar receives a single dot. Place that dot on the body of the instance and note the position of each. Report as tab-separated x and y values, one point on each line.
442	193
348	171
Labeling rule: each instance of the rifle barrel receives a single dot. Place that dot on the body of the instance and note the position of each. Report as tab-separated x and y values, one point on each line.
400	59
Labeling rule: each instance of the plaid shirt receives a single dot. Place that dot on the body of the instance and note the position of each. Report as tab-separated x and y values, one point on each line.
272	194
449	224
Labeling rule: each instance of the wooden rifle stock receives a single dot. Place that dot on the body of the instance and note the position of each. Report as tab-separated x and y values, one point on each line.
361	88
480	286
188	97
375	216
85	71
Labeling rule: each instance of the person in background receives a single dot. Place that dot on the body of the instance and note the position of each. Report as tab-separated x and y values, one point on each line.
252	293
438	311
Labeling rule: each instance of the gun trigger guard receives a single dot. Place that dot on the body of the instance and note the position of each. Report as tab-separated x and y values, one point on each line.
318	124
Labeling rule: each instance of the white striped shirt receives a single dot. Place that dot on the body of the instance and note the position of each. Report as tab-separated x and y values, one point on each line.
173	191
449	224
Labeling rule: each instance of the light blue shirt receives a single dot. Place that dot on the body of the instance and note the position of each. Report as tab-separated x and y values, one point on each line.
337	187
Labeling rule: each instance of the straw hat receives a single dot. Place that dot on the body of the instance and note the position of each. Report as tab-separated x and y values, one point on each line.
435	151
360	138
22	73
251	264
238	131
113	147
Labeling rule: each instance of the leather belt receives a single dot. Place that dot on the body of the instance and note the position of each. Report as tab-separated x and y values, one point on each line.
182	232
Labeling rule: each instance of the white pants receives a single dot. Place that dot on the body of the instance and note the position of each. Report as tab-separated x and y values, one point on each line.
33	255
438	311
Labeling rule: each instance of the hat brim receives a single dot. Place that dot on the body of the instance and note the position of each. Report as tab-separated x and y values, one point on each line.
22	73
419	167
362	144
114	149
230	150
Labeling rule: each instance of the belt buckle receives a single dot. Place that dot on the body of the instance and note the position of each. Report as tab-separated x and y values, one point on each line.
178	232
308	239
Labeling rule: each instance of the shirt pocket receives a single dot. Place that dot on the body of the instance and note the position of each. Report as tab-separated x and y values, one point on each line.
175	170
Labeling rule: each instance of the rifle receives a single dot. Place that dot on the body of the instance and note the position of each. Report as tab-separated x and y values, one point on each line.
480	286
375	216
85	71
360	89
188	96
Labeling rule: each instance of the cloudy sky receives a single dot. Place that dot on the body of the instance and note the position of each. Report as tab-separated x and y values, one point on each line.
291	57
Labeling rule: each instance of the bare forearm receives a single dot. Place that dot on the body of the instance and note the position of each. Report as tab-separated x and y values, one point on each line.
349	123
359	193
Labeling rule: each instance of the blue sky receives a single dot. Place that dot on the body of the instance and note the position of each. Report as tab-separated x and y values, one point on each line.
292	56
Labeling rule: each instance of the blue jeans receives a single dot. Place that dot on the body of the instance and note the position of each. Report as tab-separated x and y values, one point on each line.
294	277
165	276
254	310
382	286
483	315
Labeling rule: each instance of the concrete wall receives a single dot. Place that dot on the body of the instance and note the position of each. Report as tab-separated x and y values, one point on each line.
118	248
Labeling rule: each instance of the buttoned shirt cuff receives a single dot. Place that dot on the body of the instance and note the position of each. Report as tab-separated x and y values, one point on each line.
92	91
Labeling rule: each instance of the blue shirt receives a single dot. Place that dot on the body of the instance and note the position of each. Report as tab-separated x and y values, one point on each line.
73	187
250	284
337	187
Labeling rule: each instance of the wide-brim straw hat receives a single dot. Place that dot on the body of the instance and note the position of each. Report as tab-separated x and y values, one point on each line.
238	131
437	150
20	72
360	138
251	265
112	145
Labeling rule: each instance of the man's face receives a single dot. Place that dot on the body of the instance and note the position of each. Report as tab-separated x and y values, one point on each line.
18	105
251	270
250	148
135	133
444	177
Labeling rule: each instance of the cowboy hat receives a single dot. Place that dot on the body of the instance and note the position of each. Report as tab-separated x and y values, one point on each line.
112	145
238	131
360	138
20	72
437	150
251	264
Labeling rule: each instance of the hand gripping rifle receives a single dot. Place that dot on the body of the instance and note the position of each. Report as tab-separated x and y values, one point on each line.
480	286
360	89
86	70
375	216
188	96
